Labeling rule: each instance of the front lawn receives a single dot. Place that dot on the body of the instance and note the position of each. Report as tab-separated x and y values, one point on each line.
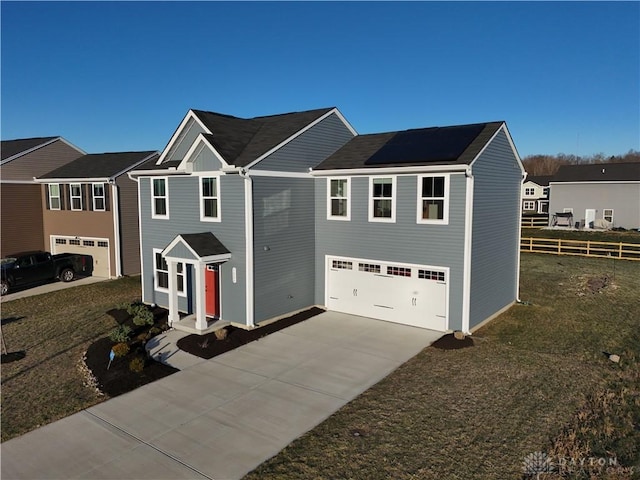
535	381
54	330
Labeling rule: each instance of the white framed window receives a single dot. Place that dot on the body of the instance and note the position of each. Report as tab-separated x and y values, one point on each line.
433	199
529	205
529	192
103	244
545	191
209	199
61	241
607	214
98	197
341	264
338	194
382	194
88	243
161	274
54	196
159	198
75	195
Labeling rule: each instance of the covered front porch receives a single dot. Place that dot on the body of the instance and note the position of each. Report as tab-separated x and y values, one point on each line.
203	253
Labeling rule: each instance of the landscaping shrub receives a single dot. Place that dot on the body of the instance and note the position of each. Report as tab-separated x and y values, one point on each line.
120	334
153	331
120	349
221	334
141	314
136	365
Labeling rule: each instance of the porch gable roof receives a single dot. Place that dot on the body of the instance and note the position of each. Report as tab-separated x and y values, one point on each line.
204	247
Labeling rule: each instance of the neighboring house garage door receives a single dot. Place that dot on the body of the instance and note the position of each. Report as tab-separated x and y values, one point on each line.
410	294
98	248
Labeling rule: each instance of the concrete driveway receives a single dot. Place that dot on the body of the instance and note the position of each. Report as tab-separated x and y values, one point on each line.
49	287
221	418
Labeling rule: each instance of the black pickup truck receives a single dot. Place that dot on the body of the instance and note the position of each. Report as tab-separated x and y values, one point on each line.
36	267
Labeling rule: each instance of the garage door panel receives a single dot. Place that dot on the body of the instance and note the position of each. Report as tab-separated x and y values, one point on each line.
97	248
407	294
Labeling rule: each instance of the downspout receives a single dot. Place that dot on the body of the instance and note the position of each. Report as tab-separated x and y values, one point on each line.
524	178
248	228
468	236
116	226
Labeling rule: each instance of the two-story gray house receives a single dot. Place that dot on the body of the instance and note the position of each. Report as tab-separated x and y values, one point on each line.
250	220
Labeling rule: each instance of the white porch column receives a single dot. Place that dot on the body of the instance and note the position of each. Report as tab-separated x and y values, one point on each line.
201	313
174	316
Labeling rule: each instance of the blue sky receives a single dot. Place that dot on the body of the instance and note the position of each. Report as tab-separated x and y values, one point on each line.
118	76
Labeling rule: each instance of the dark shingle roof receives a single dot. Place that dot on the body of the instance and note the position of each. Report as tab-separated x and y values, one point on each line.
9	148
205	244
100	165
598	172
542	180
452	145
240	141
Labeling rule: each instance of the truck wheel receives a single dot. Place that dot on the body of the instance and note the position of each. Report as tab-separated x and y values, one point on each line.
67	275
4	287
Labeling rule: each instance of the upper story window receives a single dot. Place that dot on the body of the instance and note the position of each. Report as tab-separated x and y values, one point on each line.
529	192
382	191
159	198
98	197
433	199
54	196
209	199
338	207
75	190
545	191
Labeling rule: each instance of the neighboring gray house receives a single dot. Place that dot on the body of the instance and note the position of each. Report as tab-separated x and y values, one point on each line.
609	191
250	220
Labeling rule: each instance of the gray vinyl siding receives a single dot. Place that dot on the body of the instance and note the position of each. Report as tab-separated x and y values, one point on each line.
129	229
206	161
39	162
185	218
623	198
404	241
284	245
310	148
496	230
181	251
183	146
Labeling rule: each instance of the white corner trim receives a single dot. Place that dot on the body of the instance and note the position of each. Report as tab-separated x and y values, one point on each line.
468	239
117	240
248	222
143	279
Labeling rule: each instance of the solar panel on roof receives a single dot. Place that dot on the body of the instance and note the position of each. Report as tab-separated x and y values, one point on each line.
439	144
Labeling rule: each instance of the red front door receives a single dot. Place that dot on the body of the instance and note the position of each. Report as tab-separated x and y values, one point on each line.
211	291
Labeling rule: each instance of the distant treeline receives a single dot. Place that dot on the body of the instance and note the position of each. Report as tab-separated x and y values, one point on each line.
548	164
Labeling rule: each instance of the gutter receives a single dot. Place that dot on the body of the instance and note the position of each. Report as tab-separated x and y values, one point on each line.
395	169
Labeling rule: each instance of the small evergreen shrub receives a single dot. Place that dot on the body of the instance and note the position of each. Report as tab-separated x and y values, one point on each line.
120	334
137	364
153	331
141	314
120	349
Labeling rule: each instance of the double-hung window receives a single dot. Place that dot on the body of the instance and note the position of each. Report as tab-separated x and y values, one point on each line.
382	194
98	197
159	198
338	207
209	199
161	273
529	192
607	214
54	196
433	199
75	190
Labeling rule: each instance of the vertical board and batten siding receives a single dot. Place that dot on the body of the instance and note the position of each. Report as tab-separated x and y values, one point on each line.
284	245
180	250
129	229
496	230
21	219
310	148
404	241
623	198
190	136
185	218
39	162
206	161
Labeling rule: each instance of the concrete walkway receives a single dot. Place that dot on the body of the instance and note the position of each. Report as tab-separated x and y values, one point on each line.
221	418
50	287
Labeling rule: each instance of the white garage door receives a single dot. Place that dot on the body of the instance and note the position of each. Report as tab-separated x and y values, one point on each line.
410	294
98	248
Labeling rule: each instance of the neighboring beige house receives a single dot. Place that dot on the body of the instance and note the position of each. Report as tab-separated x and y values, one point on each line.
535	195
90	206
21	227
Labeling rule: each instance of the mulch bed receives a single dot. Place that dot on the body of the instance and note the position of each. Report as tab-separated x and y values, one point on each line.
117	378
449	342
208	346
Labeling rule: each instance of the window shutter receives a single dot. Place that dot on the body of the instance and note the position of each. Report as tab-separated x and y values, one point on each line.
46	195
83	194
107	203
63	197
89	196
